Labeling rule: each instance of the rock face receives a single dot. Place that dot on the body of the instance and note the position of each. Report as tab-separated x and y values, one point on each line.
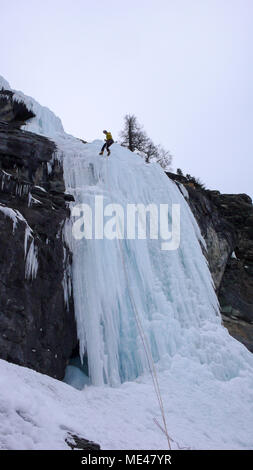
37	326
226	223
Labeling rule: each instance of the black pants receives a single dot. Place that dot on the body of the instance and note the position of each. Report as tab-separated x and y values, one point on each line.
107	144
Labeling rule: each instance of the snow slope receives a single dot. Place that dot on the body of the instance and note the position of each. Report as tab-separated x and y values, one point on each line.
36	411
205	376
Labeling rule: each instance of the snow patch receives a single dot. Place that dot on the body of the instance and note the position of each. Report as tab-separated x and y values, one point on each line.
202	413
42	189
4	84
32	200
11	213
183	190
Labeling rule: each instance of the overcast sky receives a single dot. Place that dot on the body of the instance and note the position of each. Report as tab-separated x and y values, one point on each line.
183	67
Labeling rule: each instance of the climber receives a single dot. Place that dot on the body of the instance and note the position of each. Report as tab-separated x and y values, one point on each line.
108	142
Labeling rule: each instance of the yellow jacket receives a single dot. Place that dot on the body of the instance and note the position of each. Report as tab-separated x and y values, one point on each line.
108	136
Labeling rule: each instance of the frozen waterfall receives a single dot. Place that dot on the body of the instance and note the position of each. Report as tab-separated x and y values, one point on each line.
172	290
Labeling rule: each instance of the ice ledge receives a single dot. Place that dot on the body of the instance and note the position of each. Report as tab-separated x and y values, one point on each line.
45	121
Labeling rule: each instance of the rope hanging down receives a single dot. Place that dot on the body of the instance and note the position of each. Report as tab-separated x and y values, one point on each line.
144	342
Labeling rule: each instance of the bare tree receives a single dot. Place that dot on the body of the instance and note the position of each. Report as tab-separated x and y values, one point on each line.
132	136
164	158
135	138
150	151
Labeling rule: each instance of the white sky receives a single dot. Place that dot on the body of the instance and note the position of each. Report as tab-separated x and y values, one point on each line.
183	67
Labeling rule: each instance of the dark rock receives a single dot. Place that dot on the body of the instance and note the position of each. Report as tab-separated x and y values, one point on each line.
37	325
226	223
68	197
76	442
240	330
236	291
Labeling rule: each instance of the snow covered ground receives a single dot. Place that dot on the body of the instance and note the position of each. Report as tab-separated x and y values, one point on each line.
205	376
37	412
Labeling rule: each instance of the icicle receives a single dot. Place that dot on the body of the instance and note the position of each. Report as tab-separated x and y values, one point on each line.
183	190
49	168
29	199
67	276
66	282
31	264
28	234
